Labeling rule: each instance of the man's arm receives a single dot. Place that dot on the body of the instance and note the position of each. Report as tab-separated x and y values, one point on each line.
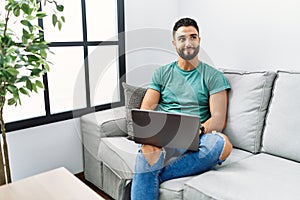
218	104
150	100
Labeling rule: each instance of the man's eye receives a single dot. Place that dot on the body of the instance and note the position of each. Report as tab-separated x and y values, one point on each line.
181	39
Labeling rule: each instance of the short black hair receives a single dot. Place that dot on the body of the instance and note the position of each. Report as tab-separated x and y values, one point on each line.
185	22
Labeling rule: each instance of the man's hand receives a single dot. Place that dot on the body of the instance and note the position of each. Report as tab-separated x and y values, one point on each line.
206	125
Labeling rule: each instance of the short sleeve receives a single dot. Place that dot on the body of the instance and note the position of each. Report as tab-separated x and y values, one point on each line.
217	83
156	81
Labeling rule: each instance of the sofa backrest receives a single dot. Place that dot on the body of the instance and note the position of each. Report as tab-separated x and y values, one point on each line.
248	103
281	136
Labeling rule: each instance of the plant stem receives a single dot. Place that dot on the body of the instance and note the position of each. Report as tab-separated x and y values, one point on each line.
5	149
4	32
2	171
6	22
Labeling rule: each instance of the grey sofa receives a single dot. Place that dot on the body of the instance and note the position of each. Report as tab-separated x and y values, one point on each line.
263	125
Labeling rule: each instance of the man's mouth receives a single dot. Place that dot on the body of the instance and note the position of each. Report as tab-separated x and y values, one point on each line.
190	49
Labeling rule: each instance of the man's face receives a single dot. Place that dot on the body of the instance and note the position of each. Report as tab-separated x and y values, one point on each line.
187	42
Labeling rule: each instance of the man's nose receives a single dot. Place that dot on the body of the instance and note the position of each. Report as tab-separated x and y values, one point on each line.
188	43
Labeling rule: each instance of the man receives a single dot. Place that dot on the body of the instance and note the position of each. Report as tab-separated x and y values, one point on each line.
188	86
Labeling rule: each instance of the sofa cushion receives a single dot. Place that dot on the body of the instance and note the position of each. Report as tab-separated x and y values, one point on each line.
261	176
105	123
173	189
248	102
119	154
133	99
282	132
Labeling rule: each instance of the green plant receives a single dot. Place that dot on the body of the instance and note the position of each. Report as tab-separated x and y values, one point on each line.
23	57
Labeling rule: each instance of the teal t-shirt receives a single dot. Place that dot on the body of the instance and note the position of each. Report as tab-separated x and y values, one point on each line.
187	91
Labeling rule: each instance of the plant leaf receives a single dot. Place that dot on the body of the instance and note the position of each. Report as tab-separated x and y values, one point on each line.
17	97
28	24
23	91
41	14
12	71
25	8
35	72
17	12
28	85
60	8
39	84
43	53
59	25
54	19
12	89
22	79
34	88
32	58
12	101
46	67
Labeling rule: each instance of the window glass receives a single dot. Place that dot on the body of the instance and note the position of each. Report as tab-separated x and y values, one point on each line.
71	29
14	23
66	79
31	107
101	17
104	74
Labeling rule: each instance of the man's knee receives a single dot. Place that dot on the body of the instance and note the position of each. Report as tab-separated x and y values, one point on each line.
227	147
151	153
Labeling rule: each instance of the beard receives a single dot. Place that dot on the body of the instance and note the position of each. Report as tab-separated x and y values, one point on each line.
188	56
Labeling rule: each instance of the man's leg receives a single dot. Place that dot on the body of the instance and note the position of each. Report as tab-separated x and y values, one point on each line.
145	183
214	148
149	171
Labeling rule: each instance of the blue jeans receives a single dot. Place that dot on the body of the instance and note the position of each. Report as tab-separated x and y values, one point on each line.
146	180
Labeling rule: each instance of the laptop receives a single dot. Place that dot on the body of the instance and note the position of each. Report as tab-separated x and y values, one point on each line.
165	129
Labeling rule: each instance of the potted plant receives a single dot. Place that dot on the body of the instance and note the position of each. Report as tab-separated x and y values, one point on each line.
23	58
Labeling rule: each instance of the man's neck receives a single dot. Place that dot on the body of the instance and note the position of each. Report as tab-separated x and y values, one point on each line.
188	64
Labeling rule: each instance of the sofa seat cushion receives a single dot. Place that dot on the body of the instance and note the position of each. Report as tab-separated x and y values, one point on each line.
173	189
261	176
235	156
282	134
119	154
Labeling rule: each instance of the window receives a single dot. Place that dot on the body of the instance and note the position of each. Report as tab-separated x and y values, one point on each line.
87	65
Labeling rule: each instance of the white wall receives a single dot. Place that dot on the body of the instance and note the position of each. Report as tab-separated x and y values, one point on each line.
148	37
43	148
248	34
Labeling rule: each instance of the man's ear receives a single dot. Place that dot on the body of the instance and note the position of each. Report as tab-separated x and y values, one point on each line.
174	43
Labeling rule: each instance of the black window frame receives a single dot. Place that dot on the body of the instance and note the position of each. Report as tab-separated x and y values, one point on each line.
51	118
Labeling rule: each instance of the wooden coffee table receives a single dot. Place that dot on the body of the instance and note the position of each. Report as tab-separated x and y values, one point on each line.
58	184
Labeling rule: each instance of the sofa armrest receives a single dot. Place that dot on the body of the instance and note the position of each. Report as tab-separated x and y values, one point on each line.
106	123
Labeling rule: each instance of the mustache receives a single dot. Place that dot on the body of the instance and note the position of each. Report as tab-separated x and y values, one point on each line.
189	48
